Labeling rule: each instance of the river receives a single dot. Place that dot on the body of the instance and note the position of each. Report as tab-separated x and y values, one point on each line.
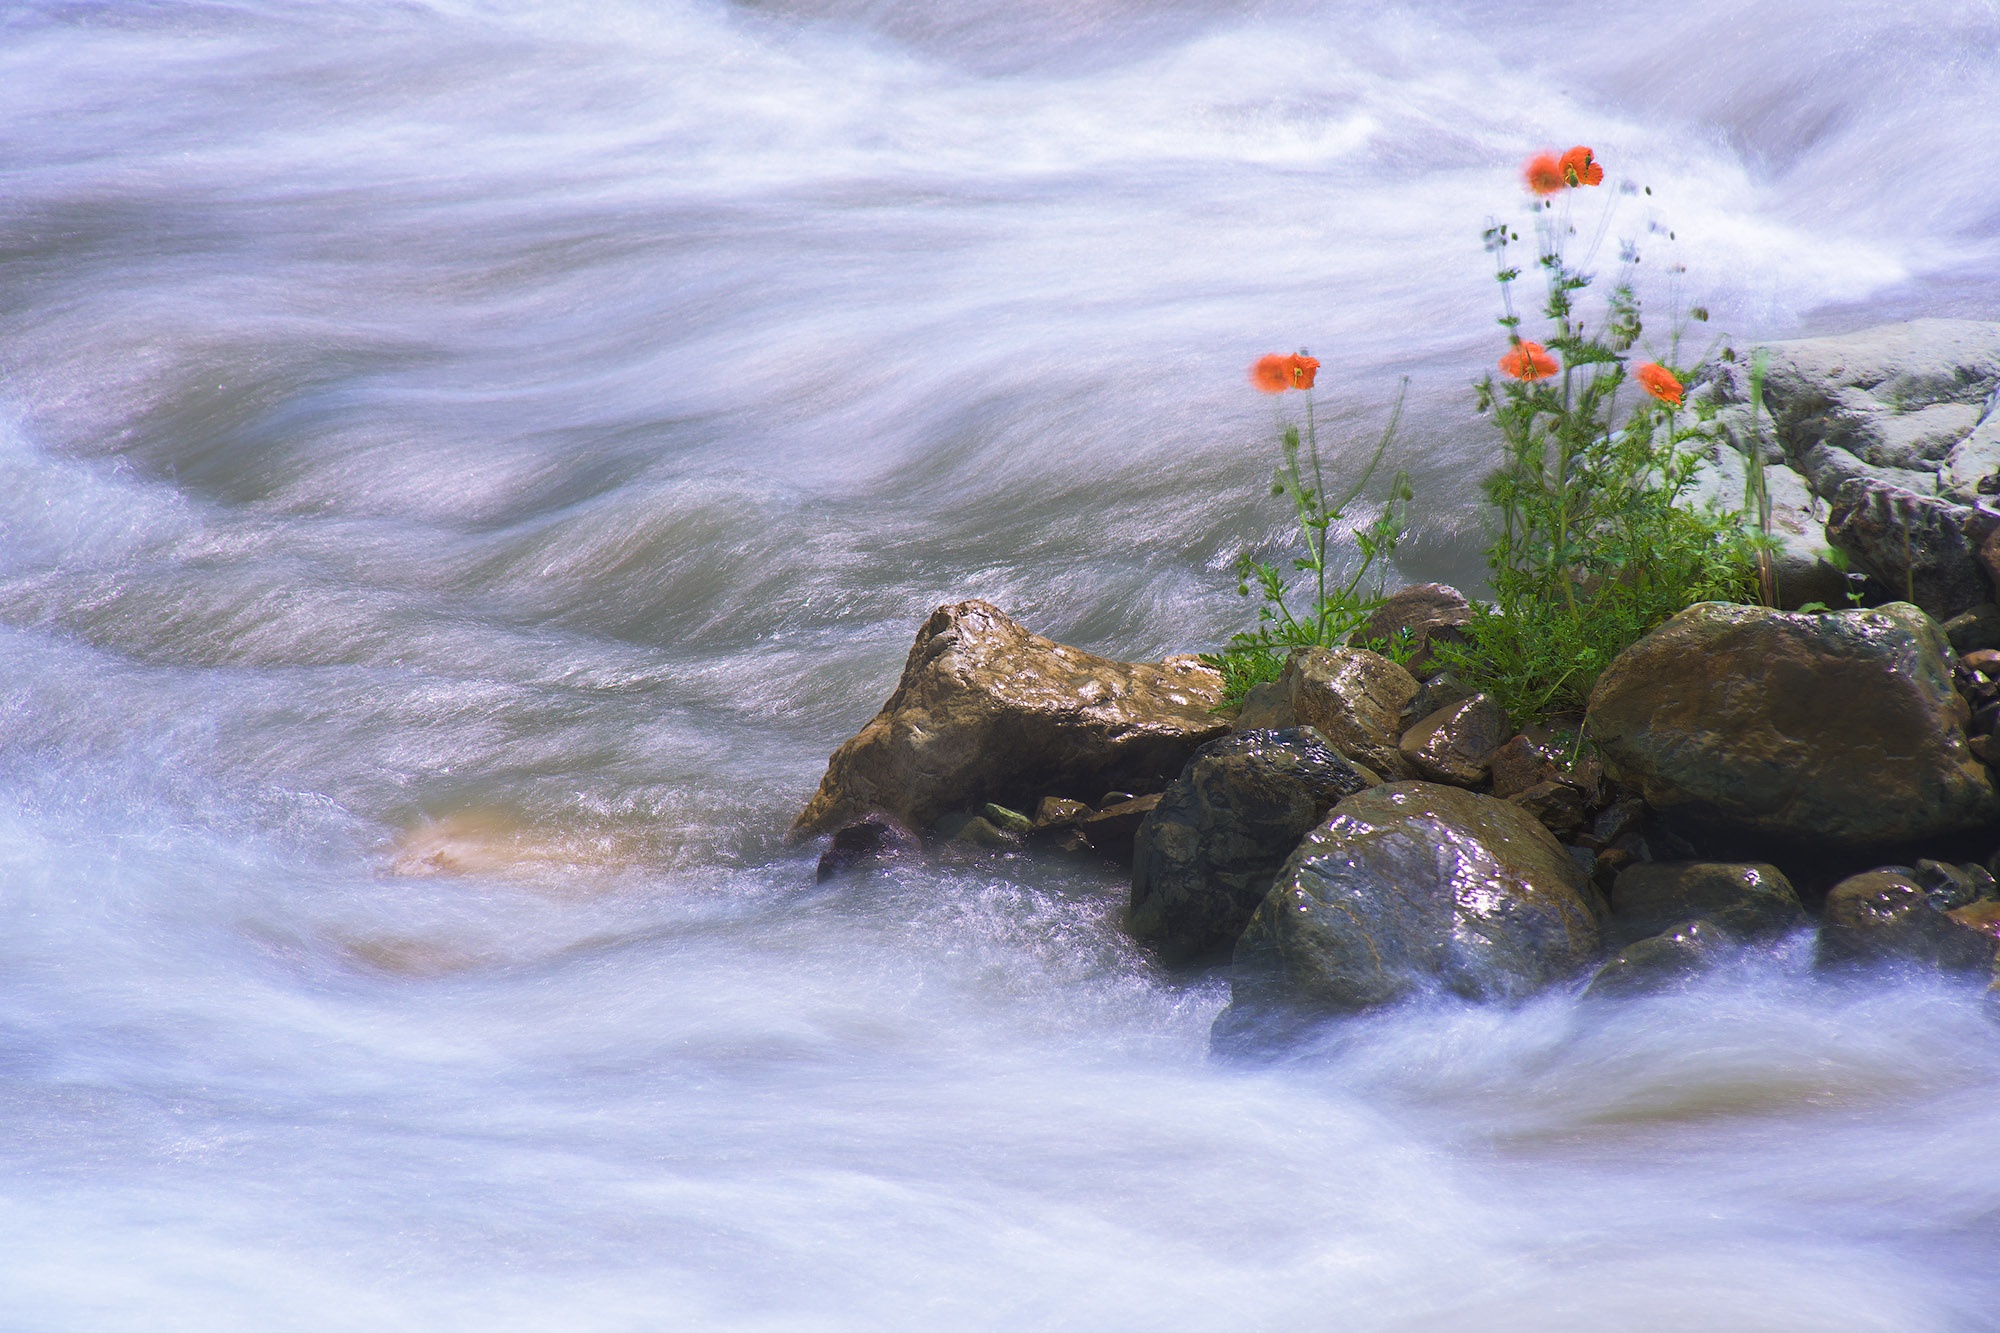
465	463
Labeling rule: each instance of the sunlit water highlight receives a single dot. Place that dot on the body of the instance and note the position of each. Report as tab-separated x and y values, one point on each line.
464	465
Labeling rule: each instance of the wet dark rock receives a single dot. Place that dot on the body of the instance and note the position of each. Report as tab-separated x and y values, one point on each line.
986	711
1751	900
1952	886
1922	549
1558	805
874	839
1355	699
1427	614
1975	628
1112	829
1456	744
1519	765
1439	691
1886	916
1205	857
1409	887
1842	728
1662	962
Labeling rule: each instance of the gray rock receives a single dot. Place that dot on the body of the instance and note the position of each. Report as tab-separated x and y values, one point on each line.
1205	857
1893	403
1751	900
1974	629
1355	699
1456	744
1406	888
1662	962
1841	727
1922	549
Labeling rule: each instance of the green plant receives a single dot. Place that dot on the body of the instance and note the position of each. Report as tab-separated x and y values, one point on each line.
1335	607
1597	540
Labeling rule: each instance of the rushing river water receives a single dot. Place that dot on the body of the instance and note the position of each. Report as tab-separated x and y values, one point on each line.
464	465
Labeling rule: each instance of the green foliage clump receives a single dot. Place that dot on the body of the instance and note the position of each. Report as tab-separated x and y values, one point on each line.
1597	539
1334	610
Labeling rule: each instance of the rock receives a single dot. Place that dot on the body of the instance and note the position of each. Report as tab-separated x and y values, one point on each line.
1440	691
986	711
1558	805
1266	707
1355	699
1750	900
970	829
873	839
1799	565
1112	829
1054	813
1910	404
1974	629
1205	856
1841	727
1007	821
1951	886
1519	765
1456	744
1429	613
1661	962
1885	916
1405	888
1920	548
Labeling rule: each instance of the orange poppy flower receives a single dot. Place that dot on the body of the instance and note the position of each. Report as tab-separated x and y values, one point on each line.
1528	361
1657	380
1578	167
1275	373
1544	173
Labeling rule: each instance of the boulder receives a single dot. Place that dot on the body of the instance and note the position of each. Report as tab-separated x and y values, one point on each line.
1975	629
1406	888
1886	916
1919	547
986	711
1909	404
1206	855
1426	614
1750	900
1661	962
1114	828
1456	743
1355	699
1841	727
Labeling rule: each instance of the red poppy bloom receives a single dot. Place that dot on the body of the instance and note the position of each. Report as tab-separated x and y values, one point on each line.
1657	380
1544	173
1578	167
1528	361
1275	373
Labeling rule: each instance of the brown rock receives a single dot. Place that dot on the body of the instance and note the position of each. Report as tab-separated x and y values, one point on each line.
1749	899
1266	707
1054	812
1558	805
1355	699
986	711
1432	613
1841	727
1112	829
1519	765
873	839
1456	744
1883	916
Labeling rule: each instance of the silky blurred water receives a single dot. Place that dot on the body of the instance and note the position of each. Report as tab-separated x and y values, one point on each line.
464	465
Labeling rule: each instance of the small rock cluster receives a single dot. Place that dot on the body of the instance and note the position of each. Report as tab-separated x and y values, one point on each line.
1360	831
